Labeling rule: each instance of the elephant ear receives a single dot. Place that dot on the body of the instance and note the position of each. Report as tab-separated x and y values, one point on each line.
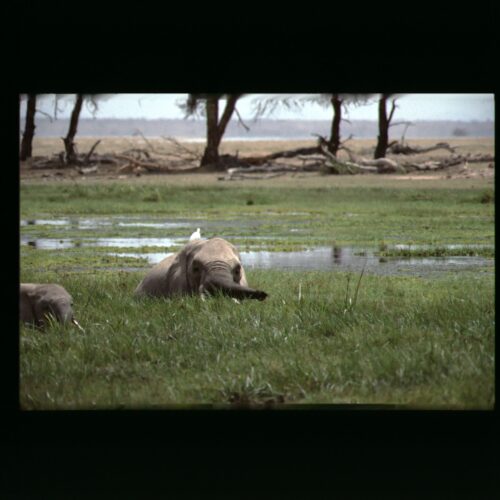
43	310
177	275
243	280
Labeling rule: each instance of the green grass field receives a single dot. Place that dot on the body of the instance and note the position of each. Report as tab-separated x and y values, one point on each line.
409	340
425	343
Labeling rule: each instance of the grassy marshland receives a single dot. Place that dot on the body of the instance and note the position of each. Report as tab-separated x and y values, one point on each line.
423	342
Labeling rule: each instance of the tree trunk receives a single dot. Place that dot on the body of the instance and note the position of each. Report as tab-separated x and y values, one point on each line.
211	154
29	128
384	122
334	142
69	145
216	128
383	128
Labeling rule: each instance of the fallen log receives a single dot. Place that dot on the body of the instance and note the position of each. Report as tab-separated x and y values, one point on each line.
338	168
479	158
240	176
264	169
106	159
148	165
428	165
291	153
384	165
54	162
89	170
57	160
452	161
380	162
316	158
404	149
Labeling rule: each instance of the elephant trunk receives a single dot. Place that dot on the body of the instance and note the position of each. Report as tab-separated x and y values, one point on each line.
229	287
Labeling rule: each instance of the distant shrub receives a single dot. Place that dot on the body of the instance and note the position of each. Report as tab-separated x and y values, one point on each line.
459	132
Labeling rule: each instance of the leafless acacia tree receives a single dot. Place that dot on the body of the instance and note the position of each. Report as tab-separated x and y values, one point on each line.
384	122
216	126
29	128
339	103
69	140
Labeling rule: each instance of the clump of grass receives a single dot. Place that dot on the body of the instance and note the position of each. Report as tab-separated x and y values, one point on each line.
439	251
349	302
488	196
154	196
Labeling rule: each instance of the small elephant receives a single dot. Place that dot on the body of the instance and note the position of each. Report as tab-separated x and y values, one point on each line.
38	301
201	267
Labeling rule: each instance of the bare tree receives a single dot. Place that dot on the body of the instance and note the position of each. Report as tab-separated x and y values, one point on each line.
384	122
69	140
69	144
334	142
339	103
209	105
32	109
29	128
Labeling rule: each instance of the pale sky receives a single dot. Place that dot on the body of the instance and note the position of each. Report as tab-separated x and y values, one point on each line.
467	107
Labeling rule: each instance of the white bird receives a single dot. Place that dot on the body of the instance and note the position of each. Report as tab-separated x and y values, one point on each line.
195	236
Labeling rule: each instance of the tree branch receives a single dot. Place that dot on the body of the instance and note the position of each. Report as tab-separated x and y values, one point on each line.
44	113
151	147
89	154
226	115
393	108
193	155
247	128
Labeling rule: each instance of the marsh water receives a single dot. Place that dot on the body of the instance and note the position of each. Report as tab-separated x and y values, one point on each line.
350	259
330	258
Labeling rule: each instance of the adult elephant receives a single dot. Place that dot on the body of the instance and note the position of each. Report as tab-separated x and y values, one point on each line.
202	267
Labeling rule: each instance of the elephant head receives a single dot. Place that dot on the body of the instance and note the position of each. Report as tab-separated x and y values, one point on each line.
202	267
40	301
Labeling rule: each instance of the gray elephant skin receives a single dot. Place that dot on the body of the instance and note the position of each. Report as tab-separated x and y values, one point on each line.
38	301
202	267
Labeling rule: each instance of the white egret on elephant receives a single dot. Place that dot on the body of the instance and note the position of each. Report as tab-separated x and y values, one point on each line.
195	236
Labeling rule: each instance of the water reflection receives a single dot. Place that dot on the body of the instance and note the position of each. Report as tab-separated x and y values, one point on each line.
337	255
56	243
97	222
44	222
348	259
335	258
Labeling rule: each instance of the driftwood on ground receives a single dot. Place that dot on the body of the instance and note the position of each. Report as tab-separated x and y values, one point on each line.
291	153
451	161
327	163
178	158
233	176
398	148
88	170
60	160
